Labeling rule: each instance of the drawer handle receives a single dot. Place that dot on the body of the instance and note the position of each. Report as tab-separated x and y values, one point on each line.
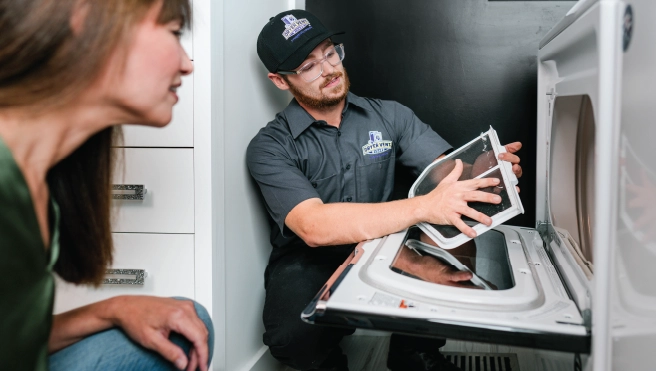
140	276
134	192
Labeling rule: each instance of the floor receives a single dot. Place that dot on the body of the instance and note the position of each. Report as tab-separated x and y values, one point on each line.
368	352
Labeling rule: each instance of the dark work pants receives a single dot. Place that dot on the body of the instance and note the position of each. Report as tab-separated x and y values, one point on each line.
291	282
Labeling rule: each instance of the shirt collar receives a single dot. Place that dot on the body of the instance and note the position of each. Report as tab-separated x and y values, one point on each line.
299	119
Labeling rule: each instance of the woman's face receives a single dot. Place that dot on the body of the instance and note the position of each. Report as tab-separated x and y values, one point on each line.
145	88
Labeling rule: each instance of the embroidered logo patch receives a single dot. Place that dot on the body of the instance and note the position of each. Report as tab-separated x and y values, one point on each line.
376	144
294	26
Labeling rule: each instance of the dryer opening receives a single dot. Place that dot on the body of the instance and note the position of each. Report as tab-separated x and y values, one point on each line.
486	257
572	171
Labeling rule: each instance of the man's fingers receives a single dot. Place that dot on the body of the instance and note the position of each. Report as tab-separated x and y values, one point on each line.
482	183
460	276
464	228
509	157
478	216
454	175
517	170
513	147
480	196
168	350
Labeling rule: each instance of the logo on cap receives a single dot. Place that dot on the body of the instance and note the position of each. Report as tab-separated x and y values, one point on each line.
293	26
376	144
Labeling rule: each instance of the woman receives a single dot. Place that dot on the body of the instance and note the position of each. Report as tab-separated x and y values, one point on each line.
70	71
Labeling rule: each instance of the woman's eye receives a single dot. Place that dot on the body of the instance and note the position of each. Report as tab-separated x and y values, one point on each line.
177	33
330	54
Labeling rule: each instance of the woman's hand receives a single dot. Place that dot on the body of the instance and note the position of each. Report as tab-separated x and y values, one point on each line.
149	320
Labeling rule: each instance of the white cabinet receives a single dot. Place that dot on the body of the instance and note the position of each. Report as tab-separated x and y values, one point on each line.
178	133
167	259
167	175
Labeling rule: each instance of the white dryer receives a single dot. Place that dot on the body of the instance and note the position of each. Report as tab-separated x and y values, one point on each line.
568	284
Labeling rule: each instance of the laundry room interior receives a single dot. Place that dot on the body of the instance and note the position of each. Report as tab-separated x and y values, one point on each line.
338	186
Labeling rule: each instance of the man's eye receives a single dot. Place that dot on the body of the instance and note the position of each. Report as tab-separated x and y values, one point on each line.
307	67
177	33
330	54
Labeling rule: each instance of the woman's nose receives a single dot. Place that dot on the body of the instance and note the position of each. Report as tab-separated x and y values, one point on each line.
187	66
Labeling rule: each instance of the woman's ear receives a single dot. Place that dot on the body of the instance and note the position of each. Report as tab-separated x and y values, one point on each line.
278	81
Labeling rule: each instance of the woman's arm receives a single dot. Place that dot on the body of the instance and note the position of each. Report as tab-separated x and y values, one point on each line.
148	320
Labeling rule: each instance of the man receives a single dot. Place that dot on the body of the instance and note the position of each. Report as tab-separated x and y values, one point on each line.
325	166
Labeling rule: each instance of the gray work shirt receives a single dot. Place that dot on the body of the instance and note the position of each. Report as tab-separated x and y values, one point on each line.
296	158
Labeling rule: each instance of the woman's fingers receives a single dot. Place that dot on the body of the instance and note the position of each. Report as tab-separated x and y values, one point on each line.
191	327
168	350
193	360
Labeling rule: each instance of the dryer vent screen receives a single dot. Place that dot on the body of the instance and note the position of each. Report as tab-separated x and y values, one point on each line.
483	361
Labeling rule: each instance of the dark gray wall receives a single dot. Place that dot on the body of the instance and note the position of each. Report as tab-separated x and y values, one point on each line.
461	65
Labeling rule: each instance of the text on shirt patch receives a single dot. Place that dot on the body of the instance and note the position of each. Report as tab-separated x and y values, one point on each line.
294	26
376	144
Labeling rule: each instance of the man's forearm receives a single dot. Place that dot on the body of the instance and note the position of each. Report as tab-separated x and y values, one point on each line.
342	223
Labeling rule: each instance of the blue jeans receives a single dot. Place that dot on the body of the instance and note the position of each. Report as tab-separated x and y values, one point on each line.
113	350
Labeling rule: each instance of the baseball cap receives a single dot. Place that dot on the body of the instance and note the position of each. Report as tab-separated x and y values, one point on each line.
288	38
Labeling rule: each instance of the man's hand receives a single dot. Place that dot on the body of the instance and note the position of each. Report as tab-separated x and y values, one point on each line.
448	201
149	320
511	157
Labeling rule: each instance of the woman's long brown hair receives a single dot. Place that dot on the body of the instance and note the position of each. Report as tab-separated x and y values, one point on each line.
45	64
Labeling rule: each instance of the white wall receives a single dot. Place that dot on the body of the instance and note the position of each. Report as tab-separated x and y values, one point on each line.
243	100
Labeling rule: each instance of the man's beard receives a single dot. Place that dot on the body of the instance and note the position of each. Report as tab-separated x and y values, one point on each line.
322	101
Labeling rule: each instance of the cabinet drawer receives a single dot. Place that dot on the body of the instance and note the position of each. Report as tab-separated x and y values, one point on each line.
167	174
168	260
178	133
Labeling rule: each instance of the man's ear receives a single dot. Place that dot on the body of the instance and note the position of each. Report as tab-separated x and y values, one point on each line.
278	81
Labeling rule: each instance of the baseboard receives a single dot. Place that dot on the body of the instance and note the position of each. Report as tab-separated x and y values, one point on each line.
263	361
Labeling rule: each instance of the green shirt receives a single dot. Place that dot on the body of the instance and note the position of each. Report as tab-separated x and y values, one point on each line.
27	285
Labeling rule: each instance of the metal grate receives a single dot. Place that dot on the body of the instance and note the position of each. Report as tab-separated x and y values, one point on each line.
483	361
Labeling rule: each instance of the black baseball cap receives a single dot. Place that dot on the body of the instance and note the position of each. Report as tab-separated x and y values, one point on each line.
288	38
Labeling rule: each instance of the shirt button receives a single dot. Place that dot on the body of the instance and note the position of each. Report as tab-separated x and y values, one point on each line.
339	133
348	199
314	184
348	167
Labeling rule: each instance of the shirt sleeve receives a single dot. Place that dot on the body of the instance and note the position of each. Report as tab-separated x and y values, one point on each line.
282	183
418	143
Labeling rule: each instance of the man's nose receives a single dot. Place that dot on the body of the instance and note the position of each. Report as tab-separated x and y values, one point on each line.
327	68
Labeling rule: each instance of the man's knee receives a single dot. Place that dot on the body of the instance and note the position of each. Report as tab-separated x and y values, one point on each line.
304	346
